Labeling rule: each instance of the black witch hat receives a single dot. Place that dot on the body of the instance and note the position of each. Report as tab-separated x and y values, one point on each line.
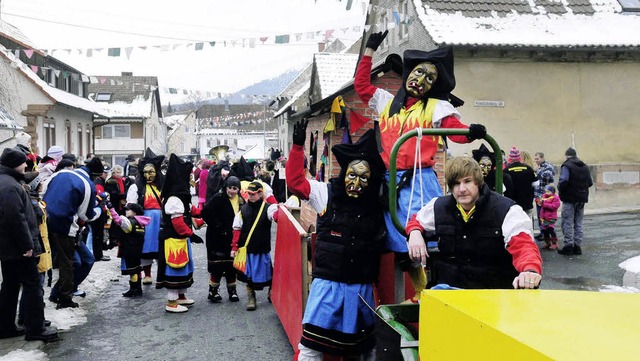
364	149
177	181
243	170
442	58
483	151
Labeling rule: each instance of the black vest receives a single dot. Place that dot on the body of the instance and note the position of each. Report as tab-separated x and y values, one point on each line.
577	189
350	241
473	254
260	241
131	243
166	227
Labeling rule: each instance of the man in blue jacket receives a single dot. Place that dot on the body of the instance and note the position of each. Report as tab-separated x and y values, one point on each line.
71	201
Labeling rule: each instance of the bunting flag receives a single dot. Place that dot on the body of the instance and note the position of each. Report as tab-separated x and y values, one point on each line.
357	121
346	137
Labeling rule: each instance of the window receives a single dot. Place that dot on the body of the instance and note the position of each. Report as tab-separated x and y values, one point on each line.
88	133
186	130
51	77
69	135
103	97
80	148
49	134
385	21
118	159
182	147
403	14
116	131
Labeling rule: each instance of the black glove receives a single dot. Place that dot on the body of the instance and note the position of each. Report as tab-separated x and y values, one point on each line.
196	239
376	39
300	132
476	131
109	205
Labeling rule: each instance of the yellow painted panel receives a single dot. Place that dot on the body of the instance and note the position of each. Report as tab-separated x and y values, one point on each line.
528	325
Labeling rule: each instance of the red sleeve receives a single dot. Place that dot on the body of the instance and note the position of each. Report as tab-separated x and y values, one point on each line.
182	228
271	199
195	211
235	240
362	81
414	225
296	181
453	122
99	188
525	253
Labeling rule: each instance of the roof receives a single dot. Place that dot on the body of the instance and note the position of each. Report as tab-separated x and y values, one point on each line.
14	34
56	95
522	23
130	96
334	70
7	121
304	89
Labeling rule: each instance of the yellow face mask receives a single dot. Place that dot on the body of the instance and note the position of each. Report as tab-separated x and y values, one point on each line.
357	177
421	79
149	173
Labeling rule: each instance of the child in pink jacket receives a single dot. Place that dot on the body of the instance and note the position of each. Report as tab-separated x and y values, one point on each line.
550	203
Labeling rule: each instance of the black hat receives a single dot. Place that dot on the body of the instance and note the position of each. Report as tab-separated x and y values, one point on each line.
107	168
177	179
131	158
12	158
95	166
442	58
571	152
364	149
243	170
483	151
233	181
70	157
254	186
135	207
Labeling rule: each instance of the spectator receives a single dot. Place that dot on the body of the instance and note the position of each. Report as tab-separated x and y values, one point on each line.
549	204
23	141
545	174
97	226
524	181
70	199
509	258
49	163
219	213
202	182
130	167
19	251
574	183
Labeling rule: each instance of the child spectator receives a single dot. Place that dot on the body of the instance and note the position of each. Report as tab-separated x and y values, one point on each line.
130	244
549	203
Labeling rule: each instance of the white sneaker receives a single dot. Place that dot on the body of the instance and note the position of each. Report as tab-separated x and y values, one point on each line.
147	280
176	309
185	301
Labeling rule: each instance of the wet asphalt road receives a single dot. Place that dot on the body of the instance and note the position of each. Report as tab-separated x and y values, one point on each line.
121	329
128	329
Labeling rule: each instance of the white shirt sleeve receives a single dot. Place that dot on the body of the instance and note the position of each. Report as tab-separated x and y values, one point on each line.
426	216
379	100
515	222
237	221
442	110
319	195
132	194
174	207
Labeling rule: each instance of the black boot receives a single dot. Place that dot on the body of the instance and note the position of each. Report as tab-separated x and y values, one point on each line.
214	295
567	250
233	295
135	289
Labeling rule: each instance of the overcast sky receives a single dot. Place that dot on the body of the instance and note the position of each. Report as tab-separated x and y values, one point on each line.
81	24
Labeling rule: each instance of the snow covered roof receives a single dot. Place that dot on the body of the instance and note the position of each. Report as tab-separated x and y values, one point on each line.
11	32
530	23
334	70
7	121
293	99
128	96
55	94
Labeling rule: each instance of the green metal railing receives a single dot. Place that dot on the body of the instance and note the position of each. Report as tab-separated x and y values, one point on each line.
393	195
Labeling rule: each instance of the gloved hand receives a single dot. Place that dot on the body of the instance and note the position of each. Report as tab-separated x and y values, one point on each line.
103	195
376	39
109	205
476	131
300	132
195	238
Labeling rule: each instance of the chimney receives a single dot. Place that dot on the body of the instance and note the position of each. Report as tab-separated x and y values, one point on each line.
321	46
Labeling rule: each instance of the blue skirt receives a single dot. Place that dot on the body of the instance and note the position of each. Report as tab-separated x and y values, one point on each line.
259	271
175	278
151	232
396	242
337	306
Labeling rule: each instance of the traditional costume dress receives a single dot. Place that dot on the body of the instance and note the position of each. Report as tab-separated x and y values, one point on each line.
146	192
338	319
252	227
175	259
423	101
